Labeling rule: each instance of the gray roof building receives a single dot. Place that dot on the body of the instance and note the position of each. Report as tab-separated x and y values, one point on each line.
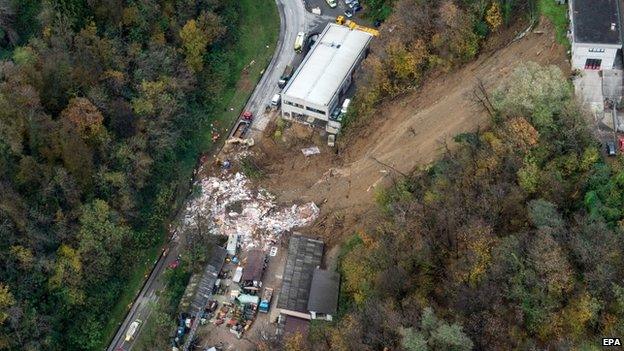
304	256
596	21
324	292
330	60
254	267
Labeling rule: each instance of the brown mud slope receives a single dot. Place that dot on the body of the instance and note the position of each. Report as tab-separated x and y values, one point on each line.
408	133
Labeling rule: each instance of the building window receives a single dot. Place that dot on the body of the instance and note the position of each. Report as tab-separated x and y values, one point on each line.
288	102
315	110
297	105
596	50
593	64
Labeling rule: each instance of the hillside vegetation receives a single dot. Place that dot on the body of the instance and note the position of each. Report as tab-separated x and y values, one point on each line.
425	36
100	101
513	241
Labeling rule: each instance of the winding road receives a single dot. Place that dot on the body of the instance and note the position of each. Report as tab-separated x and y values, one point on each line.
293	18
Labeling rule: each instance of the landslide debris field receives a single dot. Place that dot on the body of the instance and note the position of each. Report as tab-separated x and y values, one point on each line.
408	133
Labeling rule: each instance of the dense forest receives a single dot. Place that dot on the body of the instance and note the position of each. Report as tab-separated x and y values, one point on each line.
513	241
99	100
422	37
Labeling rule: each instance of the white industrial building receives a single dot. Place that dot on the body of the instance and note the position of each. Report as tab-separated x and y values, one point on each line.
594	33
319	84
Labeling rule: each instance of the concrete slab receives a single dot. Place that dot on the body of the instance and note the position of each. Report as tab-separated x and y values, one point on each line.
612	84
588	89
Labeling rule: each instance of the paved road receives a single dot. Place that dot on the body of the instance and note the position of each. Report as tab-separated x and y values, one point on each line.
140	309
294	18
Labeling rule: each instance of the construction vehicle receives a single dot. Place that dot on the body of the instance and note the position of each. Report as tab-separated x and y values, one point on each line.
352	25
288	71
265	302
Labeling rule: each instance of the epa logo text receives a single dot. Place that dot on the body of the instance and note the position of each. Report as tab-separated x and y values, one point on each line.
611	342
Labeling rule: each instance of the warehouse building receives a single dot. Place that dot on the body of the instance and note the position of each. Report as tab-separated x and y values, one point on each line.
595	33
319	84
304	256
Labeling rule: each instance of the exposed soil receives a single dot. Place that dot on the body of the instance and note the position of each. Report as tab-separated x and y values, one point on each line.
409	133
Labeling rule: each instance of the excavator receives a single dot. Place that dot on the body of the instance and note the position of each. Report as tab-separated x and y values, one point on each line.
351	24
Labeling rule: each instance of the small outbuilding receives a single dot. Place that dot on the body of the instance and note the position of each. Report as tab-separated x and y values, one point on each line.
323	300
254	269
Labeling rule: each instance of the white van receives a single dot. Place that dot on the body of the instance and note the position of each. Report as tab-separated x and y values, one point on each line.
345	106
331	3
132	329
276	100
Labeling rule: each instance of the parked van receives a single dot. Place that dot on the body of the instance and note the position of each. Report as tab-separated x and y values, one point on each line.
345	106
276	100
134	326
299	42
331	3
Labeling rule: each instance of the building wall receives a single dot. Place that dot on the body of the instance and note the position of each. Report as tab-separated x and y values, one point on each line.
295	313
292	105
582	52
291	111
325	317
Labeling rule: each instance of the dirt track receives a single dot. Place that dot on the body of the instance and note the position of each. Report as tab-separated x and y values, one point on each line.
408	133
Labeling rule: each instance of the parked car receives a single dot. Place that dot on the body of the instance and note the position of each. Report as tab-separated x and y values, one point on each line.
357	8
347	2
273	251
353	4
335	114
611	151
247	115
331	3
331	140
276	100
348	13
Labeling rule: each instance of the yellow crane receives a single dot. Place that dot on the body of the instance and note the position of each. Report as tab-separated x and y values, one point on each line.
351	24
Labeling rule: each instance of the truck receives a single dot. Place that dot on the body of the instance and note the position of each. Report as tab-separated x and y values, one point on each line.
299	41
288	71
241	129
265	302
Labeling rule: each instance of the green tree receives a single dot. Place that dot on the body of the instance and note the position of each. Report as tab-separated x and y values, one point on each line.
534	91
100	240
195	42
544	214
6	301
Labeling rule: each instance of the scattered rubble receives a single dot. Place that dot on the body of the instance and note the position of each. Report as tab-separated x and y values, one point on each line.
309	151
230	207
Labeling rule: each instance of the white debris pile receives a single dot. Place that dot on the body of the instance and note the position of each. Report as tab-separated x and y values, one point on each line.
230	207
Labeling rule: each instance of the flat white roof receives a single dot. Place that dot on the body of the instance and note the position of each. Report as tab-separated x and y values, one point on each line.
331	59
